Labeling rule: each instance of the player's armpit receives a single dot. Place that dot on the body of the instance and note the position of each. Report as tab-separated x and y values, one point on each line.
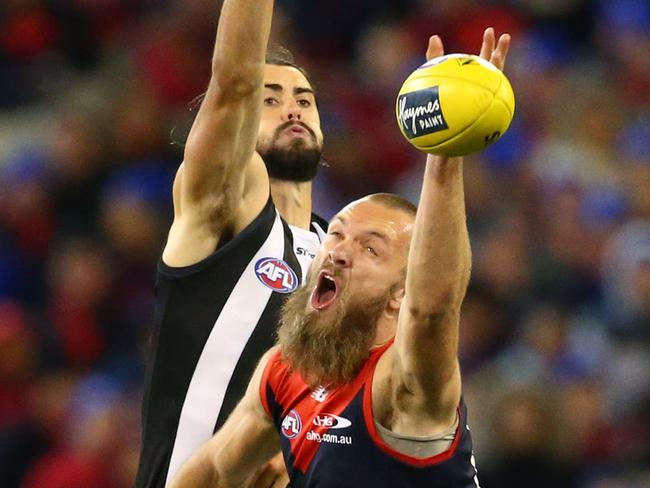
199	227
426	367
246	441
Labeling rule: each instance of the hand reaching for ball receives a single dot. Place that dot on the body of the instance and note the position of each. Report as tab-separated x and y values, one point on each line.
457	104
491	50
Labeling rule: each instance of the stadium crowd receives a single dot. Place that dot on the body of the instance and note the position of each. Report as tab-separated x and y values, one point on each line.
96	97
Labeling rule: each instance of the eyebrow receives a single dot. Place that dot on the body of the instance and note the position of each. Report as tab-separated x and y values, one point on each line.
296	91
339	218
379	235
374	233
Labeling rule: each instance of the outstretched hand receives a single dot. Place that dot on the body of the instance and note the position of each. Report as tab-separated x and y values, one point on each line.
491	50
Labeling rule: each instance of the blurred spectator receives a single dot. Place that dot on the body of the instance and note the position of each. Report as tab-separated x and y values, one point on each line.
555	327
527	437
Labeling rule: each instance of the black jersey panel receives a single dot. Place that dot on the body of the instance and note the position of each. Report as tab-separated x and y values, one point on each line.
188	302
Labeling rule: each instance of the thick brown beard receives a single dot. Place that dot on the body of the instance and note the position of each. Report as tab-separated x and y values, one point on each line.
298	162
328	352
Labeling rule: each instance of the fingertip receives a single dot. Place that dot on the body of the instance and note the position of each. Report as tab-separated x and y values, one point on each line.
435	41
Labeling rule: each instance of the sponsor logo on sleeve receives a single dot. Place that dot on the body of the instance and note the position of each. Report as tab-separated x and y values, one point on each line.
276	274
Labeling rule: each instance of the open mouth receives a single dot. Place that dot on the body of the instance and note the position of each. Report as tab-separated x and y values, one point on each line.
325	292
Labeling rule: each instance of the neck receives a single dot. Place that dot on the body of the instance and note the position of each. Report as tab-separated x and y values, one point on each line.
386	327
293	201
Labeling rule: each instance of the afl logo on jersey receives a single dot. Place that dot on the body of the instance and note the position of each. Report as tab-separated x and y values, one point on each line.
276	274
291	425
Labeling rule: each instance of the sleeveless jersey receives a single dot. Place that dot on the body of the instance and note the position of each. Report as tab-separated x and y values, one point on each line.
329	439
213	322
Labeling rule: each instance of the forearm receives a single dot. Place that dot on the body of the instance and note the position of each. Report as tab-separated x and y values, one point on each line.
245	442
242	38
199	471
440	256
223	137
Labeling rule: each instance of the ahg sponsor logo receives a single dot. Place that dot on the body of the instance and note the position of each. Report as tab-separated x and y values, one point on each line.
328	438
331	421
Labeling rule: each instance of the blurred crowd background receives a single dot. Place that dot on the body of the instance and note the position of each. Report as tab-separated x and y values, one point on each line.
96	100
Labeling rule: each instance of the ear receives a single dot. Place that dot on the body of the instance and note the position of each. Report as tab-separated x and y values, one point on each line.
397	292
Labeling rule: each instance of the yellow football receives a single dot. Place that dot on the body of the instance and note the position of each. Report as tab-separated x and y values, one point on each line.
455	105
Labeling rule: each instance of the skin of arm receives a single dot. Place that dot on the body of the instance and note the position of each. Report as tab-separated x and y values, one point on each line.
222	184
424	374
245	442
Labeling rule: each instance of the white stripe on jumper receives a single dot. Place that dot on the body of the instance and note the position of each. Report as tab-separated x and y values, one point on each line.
308	241
221	353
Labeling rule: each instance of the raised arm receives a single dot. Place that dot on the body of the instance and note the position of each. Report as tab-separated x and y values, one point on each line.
438	271
222	183
245	442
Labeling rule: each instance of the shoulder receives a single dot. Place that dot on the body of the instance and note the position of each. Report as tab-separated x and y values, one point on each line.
242	243
318	224
272	367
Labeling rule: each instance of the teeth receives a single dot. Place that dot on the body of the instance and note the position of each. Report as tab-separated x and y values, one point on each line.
329	278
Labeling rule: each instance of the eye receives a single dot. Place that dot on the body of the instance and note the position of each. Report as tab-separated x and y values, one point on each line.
371	250
304	103
335	234
270	101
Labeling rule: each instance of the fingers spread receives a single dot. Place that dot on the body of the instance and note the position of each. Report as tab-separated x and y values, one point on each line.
498	56
489	41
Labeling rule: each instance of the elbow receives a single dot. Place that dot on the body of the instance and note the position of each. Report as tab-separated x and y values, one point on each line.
436	307
438	301
428	313
237	81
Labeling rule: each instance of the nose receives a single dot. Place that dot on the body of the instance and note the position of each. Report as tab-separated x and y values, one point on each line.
340	256
292	110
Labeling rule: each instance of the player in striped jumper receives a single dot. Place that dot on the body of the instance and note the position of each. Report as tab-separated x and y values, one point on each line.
241	241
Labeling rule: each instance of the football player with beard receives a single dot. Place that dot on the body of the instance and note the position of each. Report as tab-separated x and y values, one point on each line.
364	387
242	239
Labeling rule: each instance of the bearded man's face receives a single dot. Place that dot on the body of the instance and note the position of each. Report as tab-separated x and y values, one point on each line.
290	139
328	349
357	280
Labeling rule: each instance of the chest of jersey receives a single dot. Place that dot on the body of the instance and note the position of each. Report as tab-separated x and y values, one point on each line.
329	440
